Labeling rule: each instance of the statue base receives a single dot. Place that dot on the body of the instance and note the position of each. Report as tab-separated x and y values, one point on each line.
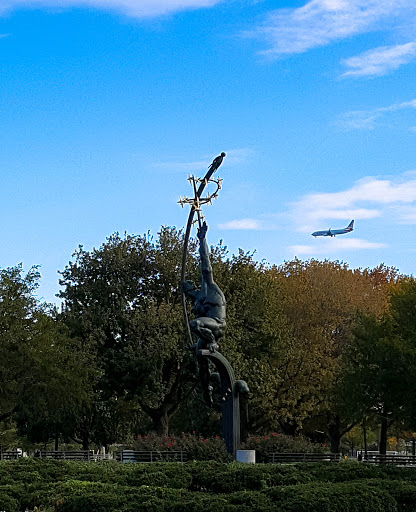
230	398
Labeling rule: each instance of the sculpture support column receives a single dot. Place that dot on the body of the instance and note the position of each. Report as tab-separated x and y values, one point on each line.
230	398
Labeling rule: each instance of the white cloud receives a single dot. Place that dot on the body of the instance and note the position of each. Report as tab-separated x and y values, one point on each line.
345	213
241	224
379	61
406	214
320	22
368	198
233	157
366	119
135	8
334	245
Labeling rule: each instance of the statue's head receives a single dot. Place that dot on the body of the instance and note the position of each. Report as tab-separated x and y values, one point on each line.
223	154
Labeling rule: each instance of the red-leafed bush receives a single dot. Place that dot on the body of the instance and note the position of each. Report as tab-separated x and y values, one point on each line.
195	446
280	443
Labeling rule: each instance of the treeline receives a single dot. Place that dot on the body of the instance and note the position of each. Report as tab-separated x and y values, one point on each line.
323	348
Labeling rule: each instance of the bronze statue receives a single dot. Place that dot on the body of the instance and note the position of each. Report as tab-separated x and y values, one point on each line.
208	301
209	308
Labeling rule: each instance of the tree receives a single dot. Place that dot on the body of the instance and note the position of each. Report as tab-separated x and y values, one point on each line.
320	301
380	363
377	366
42	375
18	307
62	375
124	299
259	342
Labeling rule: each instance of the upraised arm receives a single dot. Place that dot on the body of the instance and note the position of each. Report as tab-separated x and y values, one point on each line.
206	269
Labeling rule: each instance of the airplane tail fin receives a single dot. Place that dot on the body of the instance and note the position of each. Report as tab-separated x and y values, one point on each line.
350	226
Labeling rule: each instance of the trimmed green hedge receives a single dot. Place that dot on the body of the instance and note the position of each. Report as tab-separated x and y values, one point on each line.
63	486
342	497
7	502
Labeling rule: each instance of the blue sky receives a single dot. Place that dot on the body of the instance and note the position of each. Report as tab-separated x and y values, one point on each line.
107	105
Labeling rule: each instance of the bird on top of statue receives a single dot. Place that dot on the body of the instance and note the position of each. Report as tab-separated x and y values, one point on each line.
216	162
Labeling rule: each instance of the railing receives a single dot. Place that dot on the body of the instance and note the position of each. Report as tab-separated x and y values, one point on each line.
10	455
67	455
151	456
283	458
398	460
102	456
89	455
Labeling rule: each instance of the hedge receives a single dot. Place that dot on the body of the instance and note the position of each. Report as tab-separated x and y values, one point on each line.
342	497
64	486
8	503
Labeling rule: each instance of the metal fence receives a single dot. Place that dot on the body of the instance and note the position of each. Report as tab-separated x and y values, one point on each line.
66	455
10	455
303	457
151	456
397	460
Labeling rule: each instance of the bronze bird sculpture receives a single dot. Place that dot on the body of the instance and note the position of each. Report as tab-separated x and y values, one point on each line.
216	162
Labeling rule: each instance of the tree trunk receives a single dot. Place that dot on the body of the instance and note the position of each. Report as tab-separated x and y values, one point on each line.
334	433
365	436
85	440
161	423
383	433
56	439
290	429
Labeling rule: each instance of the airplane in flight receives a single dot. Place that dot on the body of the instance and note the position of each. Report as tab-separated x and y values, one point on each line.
334	232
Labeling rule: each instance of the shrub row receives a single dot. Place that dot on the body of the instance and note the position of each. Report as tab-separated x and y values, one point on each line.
63	486
281	443
211	475
213	448
76	496
195	446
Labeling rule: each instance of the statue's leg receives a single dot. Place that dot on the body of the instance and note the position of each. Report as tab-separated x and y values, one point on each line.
205	377
208	329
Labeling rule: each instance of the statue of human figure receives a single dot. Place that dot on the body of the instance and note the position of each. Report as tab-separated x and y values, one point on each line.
209	308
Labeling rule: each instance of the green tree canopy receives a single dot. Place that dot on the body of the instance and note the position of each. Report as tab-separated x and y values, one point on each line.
18	310
124	299
42	374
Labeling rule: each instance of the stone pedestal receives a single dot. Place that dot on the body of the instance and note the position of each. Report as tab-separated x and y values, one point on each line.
248	456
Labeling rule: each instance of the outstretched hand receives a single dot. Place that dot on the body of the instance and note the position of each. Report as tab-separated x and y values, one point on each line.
202	231
188	286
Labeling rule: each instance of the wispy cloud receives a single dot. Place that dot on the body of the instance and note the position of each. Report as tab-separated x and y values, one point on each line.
406	214
321	22
379	61
366	119
175	166
368	198
334	245
135	8
233	157
242	224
